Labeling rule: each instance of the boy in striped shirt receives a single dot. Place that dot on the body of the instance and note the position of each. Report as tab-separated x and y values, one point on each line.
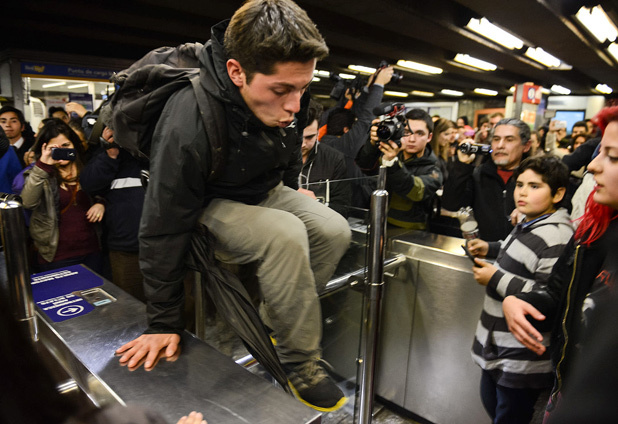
513	376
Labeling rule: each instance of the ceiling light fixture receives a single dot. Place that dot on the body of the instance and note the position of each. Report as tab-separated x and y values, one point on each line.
558	89
314	79
421	93
451	92
362	69
598	23
347	76
474	62
395	94
71	87
415	66
542	57
613	50
497	35
604	88
53	84
485	92
321	73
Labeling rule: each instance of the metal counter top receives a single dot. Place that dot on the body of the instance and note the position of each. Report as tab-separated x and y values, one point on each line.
202	379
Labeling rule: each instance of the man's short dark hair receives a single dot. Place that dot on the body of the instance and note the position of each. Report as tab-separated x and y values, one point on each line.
19	113
579	124
314	112
421	115
522	127
483	120
54	109
338	120
263	33
552	170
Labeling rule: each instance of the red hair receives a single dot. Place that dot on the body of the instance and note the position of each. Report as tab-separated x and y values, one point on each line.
605	116
594	222
597	217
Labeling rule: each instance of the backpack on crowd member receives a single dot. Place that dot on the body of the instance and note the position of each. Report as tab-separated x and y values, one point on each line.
143	90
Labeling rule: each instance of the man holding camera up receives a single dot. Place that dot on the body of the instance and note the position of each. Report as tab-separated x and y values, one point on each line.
489	187
346	131
413	175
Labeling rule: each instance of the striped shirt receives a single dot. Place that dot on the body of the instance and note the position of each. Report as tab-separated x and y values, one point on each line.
524	263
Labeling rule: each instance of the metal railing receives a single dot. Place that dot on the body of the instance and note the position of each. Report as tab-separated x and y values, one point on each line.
18	288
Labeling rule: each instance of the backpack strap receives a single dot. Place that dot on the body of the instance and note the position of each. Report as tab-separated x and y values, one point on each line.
215	123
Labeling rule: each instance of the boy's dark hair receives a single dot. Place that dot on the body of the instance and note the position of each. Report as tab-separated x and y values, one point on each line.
580	124
338	120
314	112
552	170
421	115
54	109
19	113
483	120
263	33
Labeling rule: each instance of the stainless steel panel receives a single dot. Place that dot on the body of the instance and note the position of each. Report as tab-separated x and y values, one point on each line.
201	379
443	382
396	333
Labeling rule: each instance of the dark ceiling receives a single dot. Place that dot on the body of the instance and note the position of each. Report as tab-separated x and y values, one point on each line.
361	32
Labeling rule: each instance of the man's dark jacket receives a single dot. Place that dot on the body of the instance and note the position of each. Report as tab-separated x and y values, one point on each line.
351	142
411	183
325	163
258	159
484	190
118	182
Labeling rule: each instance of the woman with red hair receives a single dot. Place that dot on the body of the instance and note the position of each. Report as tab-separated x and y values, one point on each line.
583	276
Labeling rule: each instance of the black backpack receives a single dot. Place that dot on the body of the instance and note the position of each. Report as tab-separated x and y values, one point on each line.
143	90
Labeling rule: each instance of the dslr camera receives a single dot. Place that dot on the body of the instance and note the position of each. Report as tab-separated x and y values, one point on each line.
394	124
342	84
357	84
470	148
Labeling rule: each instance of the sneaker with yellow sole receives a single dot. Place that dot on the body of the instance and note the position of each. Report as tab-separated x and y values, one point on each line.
313	386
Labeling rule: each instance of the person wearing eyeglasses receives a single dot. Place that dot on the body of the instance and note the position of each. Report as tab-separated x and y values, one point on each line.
413	174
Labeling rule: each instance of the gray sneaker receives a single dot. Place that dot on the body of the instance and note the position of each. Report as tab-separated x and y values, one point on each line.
313	387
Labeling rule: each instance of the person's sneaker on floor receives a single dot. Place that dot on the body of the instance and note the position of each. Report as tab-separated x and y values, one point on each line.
313	387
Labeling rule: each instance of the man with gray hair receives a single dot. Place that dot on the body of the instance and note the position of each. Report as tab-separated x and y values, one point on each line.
489	187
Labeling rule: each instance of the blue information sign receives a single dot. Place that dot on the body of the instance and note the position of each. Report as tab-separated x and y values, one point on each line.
52	291
76	72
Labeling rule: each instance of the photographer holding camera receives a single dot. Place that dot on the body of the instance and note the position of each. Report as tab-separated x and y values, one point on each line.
346	131
63	214
413	175
488	188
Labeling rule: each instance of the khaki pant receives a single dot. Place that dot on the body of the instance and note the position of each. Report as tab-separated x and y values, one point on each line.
298	243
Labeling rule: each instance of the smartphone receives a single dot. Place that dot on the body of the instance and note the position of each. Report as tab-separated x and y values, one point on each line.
560	125
469	255
59	153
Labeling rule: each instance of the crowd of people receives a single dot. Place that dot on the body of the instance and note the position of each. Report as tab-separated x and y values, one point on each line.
545	204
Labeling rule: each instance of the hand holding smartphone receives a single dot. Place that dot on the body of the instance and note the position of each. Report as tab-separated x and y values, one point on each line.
469	255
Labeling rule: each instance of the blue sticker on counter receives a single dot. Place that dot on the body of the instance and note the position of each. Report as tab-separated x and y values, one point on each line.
52	291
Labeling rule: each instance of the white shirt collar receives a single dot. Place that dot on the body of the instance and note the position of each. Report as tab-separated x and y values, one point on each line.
18	143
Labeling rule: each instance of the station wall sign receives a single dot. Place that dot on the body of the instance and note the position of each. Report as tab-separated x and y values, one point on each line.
36	69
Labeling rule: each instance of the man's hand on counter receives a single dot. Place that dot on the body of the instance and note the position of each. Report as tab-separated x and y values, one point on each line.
147	349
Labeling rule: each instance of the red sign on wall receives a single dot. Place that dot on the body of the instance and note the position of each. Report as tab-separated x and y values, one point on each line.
531	93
